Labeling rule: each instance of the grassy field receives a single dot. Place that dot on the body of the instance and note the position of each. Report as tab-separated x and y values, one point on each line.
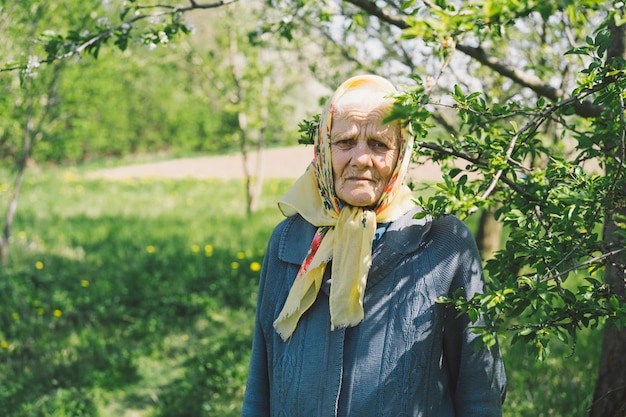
136	298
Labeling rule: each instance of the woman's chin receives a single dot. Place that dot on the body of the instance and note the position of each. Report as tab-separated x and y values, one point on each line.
360	199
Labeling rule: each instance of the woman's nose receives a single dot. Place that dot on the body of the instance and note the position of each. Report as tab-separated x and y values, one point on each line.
362	154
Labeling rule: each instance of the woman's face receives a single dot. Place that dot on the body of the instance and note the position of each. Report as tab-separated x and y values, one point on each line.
364	151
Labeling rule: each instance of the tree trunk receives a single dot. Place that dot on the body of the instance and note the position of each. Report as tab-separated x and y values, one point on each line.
27	146
245	156
33	132
609	399
264	115
488	234
241	116
12	206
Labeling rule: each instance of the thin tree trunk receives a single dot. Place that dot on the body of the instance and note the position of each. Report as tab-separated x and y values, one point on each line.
27	145
264	114
488	234
241	116
243	127
32	133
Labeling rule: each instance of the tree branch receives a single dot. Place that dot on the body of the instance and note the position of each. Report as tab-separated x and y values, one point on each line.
584	109
372	9
184	9
477	161
549	275
123	27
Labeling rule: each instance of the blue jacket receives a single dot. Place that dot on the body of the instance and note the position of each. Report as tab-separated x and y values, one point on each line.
409	357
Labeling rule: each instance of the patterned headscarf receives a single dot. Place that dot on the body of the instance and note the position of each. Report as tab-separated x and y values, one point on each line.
345	233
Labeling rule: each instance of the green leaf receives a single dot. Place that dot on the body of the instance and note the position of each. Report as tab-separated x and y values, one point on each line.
525	331
454	172
614	301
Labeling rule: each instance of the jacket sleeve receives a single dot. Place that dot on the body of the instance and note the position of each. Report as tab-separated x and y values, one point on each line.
286	249
477	373
256	400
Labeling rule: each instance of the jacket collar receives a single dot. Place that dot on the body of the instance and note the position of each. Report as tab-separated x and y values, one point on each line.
295	240
402	237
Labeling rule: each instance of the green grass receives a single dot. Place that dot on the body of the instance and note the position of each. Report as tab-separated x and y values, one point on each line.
130	298
136	298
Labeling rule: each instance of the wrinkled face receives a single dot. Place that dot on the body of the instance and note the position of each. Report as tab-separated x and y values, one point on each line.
364	151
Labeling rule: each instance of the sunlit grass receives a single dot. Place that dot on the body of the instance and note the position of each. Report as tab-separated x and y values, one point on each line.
122	297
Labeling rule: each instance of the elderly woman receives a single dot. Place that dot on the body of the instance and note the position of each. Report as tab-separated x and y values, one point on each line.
347	323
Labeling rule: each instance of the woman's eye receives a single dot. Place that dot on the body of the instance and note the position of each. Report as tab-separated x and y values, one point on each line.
343	143
379	146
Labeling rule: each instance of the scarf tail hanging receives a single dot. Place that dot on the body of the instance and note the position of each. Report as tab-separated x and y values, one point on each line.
347	291
301	296
307	284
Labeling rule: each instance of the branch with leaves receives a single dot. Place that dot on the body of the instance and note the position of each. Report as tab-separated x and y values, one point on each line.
166	22
420	27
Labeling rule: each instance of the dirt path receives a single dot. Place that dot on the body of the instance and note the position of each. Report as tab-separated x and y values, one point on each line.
289	162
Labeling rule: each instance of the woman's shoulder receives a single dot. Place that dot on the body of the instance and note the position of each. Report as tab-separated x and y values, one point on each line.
291	225
421	229
291	238
450	226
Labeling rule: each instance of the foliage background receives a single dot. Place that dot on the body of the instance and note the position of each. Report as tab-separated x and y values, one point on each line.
172	98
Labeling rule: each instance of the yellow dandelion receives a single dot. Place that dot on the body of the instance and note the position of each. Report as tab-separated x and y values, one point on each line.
39	265
208	250
16	316
150	249
195	248
21	234
3	187
69	177
4	344
57	313
40	311
234	265
255	266
241	255
84	283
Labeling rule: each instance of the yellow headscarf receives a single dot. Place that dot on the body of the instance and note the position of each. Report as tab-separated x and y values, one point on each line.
345	233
